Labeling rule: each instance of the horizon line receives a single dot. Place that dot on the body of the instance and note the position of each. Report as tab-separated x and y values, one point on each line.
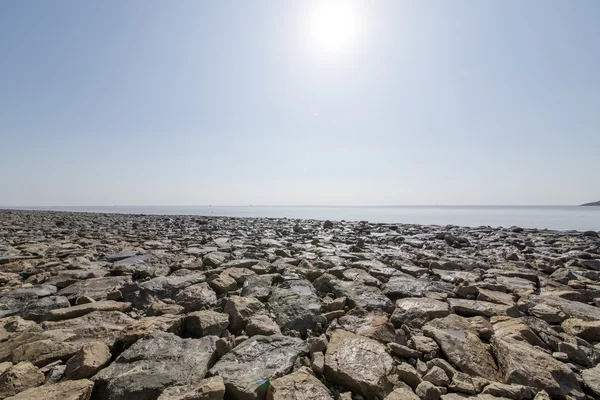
290	205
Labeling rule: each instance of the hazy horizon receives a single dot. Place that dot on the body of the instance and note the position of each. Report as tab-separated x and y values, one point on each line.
299	103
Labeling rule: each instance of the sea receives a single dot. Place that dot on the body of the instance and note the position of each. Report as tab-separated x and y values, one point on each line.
541	217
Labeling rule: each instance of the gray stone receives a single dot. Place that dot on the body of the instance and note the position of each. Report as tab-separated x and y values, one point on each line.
248	367
295	305
153	363
359	364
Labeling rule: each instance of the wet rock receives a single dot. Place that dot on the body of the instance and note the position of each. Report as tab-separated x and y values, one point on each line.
247	368
360	364
154	363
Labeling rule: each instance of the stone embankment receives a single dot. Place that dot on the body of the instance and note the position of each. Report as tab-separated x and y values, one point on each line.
109	306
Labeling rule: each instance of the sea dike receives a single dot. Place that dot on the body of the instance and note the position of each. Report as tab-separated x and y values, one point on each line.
109	306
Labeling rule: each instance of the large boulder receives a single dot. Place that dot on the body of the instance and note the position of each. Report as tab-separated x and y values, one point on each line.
153	363
295	305
522	364
359	364
464	350
248	368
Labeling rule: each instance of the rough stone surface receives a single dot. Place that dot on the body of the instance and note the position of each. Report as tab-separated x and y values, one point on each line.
153	363
300	385
248	368
69	390
207	389
19	377
360	364
92	357
454	312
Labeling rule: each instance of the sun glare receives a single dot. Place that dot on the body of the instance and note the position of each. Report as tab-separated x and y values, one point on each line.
333	25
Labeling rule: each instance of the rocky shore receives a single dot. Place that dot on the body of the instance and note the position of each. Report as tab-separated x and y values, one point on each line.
110	306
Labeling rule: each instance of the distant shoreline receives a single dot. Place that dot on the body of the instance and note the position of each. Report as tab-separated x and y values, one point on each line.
593	204
543	218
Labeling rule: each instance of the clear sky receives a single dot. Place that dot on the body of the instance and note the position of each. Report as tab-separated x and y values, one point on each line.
281	103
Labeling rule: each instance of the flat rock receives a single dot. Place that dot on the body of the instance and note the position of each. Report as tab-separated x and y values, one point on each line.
207	389
83	309
408	286
95	288
69	390
416	311
471	308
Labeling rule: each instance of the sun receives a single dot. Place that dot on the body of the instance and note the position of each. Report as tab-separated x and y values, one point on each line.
333	25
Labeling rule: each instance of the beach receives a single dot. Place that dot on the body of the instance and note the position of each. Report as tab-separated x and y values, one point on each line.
137	306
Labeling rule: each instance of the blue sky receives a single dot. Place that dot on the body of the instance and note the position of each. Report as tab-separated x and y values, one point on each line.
234	103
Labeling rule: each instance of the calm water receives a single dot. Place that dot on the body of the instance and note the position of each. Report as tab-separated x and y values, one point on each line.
550	217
